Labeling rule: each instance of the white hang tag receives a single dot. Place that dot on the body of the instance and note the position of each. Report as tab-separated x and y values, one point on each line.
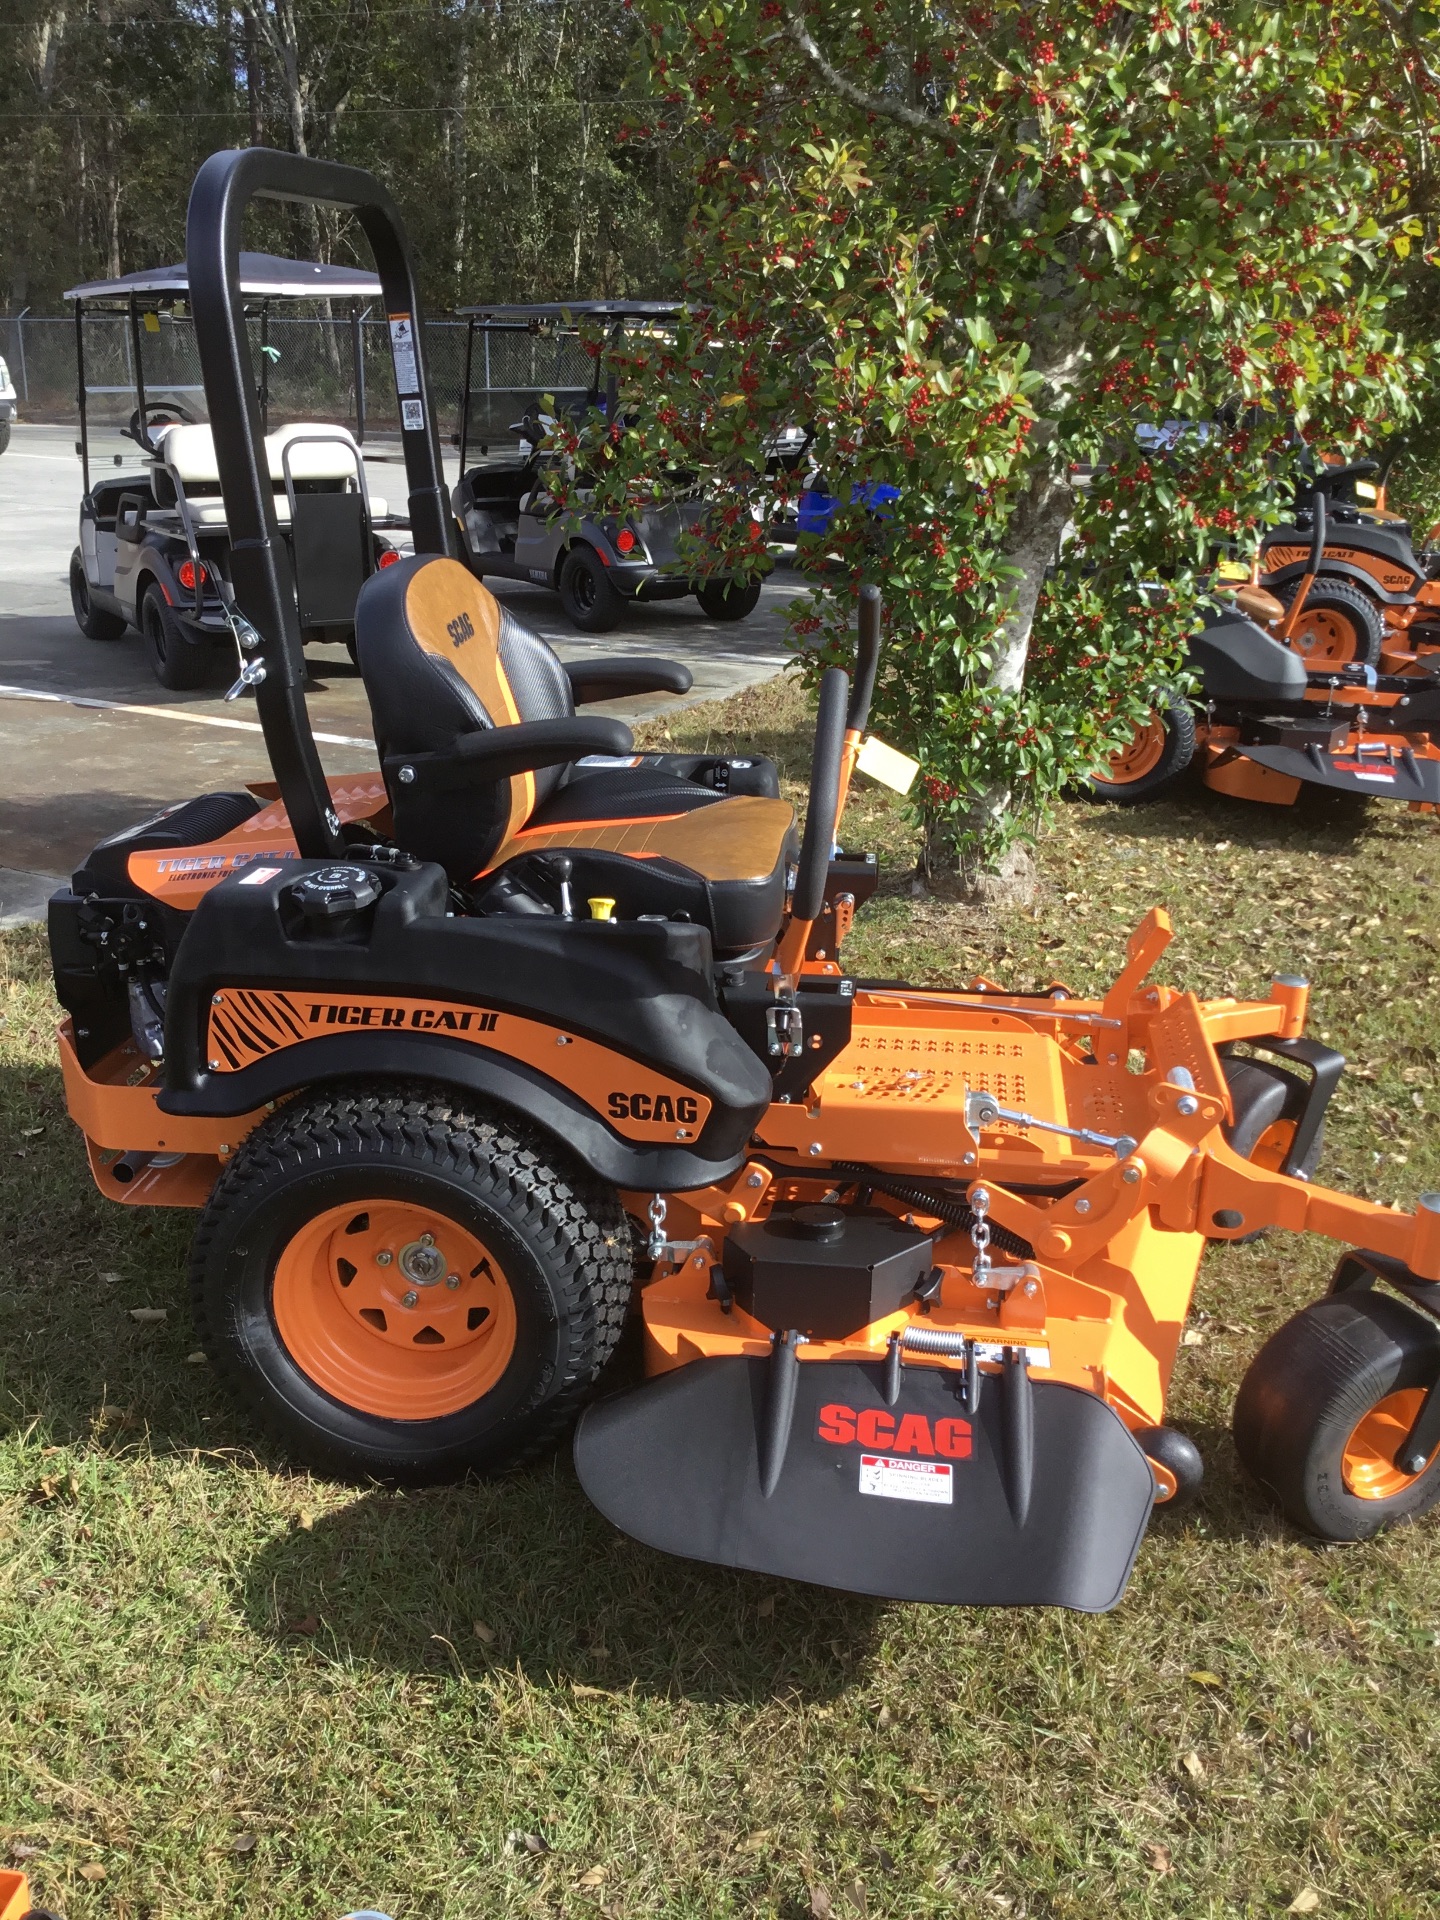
888	765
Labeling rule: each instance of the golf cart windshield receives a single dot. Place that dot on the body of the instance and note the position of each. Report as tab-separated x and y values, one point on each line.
138	368
525	365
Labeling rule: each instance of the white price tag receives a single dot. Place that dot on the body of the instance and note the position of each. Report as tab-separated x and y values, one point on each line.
888	765
930	1481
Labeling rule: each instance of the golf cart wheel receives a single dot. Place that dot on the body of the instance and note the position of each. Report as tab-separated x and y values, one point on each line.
1161	749
1340	625
96	623
1326	1403
177	662
4	435
407	1289
728	599
586	593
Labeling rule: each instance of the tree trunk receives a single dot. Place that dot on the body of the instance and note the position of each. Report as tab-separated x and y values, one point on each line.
975	852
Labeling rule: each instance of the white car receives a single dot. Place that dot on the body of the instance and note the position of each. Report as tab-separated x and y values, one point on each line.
8	403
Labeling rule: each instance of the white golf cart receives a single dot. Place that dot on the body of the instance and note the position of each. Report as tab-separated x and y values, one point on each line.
154	550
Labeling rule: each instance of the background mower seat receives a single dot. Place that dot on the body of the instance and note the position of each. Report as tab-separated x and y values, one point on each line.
492	773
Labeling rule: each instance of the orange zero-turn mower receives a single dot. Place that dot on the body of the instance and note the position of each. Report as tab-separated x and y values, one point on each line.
462	1058
1264	721
1373	599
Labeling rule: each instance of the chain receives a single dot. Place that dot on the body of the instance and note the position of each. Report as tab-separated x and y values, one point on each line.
980	1234
655	1246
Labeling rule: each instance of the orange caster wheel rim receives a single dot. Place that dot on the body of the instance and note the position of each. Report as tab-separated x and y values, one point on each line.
1140	755
1326	639
394	1309
1368	1467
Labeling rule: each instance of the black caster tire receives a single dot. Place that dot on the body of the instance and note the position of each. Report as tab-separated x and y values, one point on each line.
96	623
729	599
586	592
177	663
406	1289
1159	753
1178	1454
1324	1405
1339	625
1268	1101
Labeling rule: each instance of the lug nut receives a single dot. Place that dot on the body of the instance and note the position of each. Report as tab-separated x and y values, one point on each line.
452	1281
427	1239
409	1299
384	1257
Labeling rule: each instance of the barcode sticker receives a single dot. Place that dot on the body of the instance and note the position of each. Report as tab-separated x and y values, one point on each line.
929	1481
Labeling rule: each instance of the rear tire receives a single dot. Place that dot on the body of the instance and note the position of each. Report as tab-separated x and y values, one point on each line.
4	435
96	623
1325	1403
177	663
728	599
586	592
1160	752
328	1313
1340	624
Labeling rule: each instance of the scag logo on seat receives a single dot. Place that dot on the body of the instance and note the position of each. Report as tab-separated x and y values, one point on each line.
875	1428
460	629
654	1106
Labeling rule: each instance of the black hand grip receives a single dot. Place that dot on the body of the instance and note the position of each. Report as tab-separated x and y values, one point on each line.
1317	529
825	767
867	660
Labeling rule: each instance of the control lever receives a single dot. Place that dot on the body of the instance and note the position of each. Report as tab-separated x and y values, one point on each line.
562	866
982	1110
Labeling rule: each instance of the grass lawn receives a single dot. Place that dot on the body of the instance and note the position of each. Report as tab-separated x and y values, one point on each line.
226	1688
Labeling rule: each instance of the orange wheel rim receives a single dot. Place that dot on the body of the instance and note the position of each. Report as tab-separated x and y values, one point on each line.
1272	1148
1368	1467
1327	638
394	1309
1140	756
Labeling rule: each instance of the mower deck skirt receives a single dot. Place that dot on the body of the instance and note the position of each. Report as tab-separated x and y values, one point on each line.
914	1501
1409	776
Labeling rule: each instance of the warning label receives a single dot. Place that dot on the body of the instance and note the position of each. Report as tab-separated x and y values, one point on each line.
929	1481
402	352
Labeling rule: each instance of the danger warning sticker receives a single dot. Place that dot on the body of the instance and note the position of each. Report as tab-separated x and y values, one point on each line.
402	352
929	1481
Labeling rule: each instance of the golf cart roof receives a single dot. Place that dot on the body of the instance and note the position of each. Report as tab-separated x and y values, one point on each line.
568	310
262	275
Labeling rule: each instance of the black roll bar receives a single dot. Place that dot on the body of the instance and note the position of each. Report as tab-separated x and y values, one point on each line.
260	568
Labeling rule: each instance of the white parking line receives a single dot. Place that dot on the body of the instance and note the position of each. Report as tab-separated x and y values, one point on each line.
168	713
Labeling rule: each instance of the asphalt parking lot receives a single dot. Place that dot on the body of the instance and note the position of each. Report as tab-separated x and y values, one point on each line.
73	773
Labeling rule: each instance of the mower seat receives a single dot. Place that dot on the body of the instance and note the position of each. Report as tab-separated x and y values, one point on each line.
491	773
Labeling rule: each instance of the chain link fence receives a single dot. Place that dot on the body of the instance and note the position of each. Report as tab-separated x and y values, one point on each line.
310	367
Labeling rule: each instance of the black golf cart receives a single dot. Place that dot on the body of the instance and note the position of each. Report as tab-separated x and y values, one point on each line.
154	548
526	367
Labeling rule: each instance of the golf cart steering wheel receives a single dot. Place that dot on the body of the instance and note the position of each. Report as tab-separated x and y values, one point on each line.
171	413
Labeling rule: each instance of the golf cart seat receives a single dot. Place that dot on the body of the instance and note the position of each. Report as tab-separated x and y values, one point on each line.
492	774
322	461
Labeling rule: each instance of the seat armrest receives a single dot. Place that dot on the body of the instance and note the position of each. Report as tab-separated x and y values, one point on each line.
498	753
611	679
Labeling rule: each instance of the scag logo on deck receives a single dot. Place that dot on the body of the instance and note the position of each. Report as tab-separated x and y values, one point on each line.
654	1106
460	629
874	1427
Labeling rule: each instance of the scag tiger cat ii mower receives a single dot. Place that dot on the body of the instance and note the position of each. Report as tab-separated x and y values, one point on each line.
459	1058
1264	723
1373	599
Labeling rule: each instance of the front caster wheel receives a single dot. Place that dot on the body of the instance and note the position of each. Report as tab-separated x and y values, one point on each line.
1323	1410
406	1289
